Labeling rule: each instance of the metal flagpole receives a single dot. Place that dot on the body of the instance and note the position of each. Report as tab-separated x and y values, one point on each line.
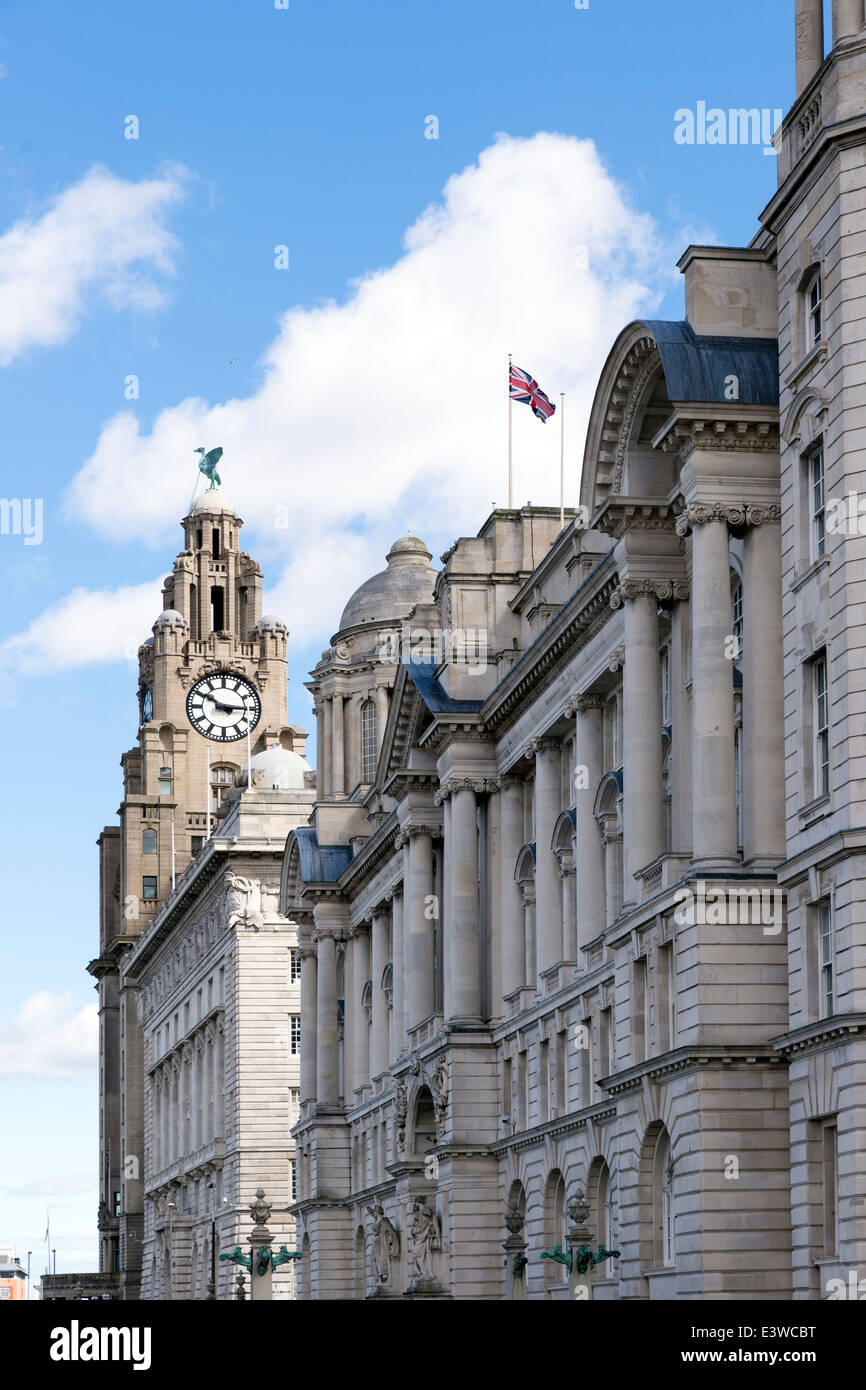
173	875
561	459
249	760
207	786
510	464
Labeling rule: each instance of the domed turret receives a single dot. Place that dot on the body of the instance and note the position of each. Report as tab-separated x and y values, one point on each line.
276	769
393	592
169	617
212	500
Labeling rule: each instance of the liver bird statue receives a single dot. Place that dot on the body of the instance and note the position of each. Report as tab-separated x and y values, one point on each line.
207	465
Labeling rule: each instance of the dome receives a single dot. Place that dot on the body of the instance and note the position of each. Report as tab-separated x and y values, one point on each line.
169	617
393	592
269	621
212	500
279	769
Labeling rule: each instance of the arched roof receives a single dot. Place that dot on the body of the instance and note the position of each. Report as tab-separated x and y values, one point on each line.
653	367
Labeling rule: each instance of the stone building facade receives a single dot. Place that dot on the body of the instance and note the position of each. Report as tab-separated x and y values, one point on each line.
586	949
181	1021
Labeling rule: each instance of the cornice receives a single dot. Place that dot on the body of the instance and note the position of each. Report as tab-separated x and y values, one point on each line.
684	1059
818	1036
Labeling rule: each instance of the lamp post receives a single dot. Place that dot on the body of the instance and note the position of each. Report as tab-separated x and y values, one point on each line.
211	1294
261	1261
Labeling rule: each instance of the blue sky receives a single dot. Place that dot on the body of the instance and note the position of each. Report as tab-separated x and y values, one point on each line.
368	393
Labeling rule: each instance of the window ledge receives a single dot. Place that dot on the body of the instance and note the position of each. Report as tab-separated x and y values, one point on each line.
815	355
805	575
815	810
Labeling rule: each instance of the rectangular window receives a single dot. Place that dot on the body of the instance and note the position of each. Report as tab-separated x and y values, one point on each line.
507	1098
521	1090
667	998
561	1100
639	1010
543	1081
586	1069
816	504
666	685
195	843
294	965
815	298
825	957
165	781
295	1034
737	617
293	1180
821	725
614	731
148	888
830	1173
607	1065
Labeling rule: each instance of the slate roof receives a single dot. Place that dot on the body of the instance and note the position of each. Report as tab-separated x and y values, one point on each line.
695	366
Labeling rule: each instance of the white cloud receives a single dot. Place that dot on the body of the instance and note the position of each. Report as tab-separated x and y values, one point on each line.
70	1184
102	238
87	627
50	1037
390	409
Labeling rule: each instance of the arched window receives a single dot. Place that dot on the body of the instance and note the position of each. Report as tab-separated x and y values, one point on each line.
524	876
608	813
555	1231
369	740
148	841
663	1202
221	779
424	1126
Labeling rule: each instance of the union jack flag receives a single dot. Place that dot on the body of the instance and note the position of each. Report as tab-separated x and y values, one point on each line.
524	388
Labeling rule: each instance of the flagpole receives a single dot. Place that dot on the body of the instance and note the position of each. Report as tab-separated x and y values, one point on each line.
561	459
207	785
510	464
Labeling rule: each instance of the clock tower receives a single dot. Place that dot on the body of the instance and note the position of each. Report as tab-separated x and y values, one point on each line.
210	636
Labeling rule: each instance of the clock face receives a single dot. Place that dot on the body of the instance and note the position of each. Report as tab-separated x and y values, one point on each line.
223	707
147	705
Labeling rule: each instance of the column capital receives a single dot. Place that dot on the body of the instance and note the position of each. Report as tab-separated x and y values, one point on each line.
547	744
450	785
665	590
579	704
732	513
433	832
359	929
508	779
307	952
331	933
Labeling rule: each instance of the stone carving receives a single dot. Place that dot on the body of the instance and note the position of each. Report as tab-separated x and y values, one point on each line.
737	514
260	1209
401	1111
425	1239
577	1208
385	1245
244	902
439	1090
514	1220
662	589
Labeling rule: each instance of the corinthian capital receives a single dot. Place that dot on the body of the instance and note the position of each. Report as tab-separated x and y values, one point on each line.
732	513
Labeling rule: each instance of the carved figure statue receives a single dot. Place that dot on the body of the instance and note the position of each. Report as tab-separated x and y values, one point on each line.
386	1244
424	1238
244	901
207	465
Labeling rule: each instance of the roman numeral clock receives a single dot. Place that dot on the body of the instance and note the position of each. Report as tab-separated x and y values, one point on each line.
223	707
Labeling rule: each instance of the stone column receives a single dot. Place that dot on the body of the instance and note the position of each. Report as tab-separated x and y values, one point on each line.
418	927
511	905
548	796
808	40
588	848
360	1021
763	789
381	697
339	775
714	810
463	946
569	926
847	19
309	1030
327	759
381	944
398	1027
643	803
320	748
327	1051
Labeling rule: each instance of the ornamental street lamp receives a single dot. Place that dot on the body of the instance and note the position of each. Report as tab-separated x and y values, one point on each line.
261	1261
578	1258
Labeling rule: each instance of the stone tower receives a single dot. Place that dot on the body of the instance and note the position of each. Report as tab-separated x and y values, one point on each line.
172	789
